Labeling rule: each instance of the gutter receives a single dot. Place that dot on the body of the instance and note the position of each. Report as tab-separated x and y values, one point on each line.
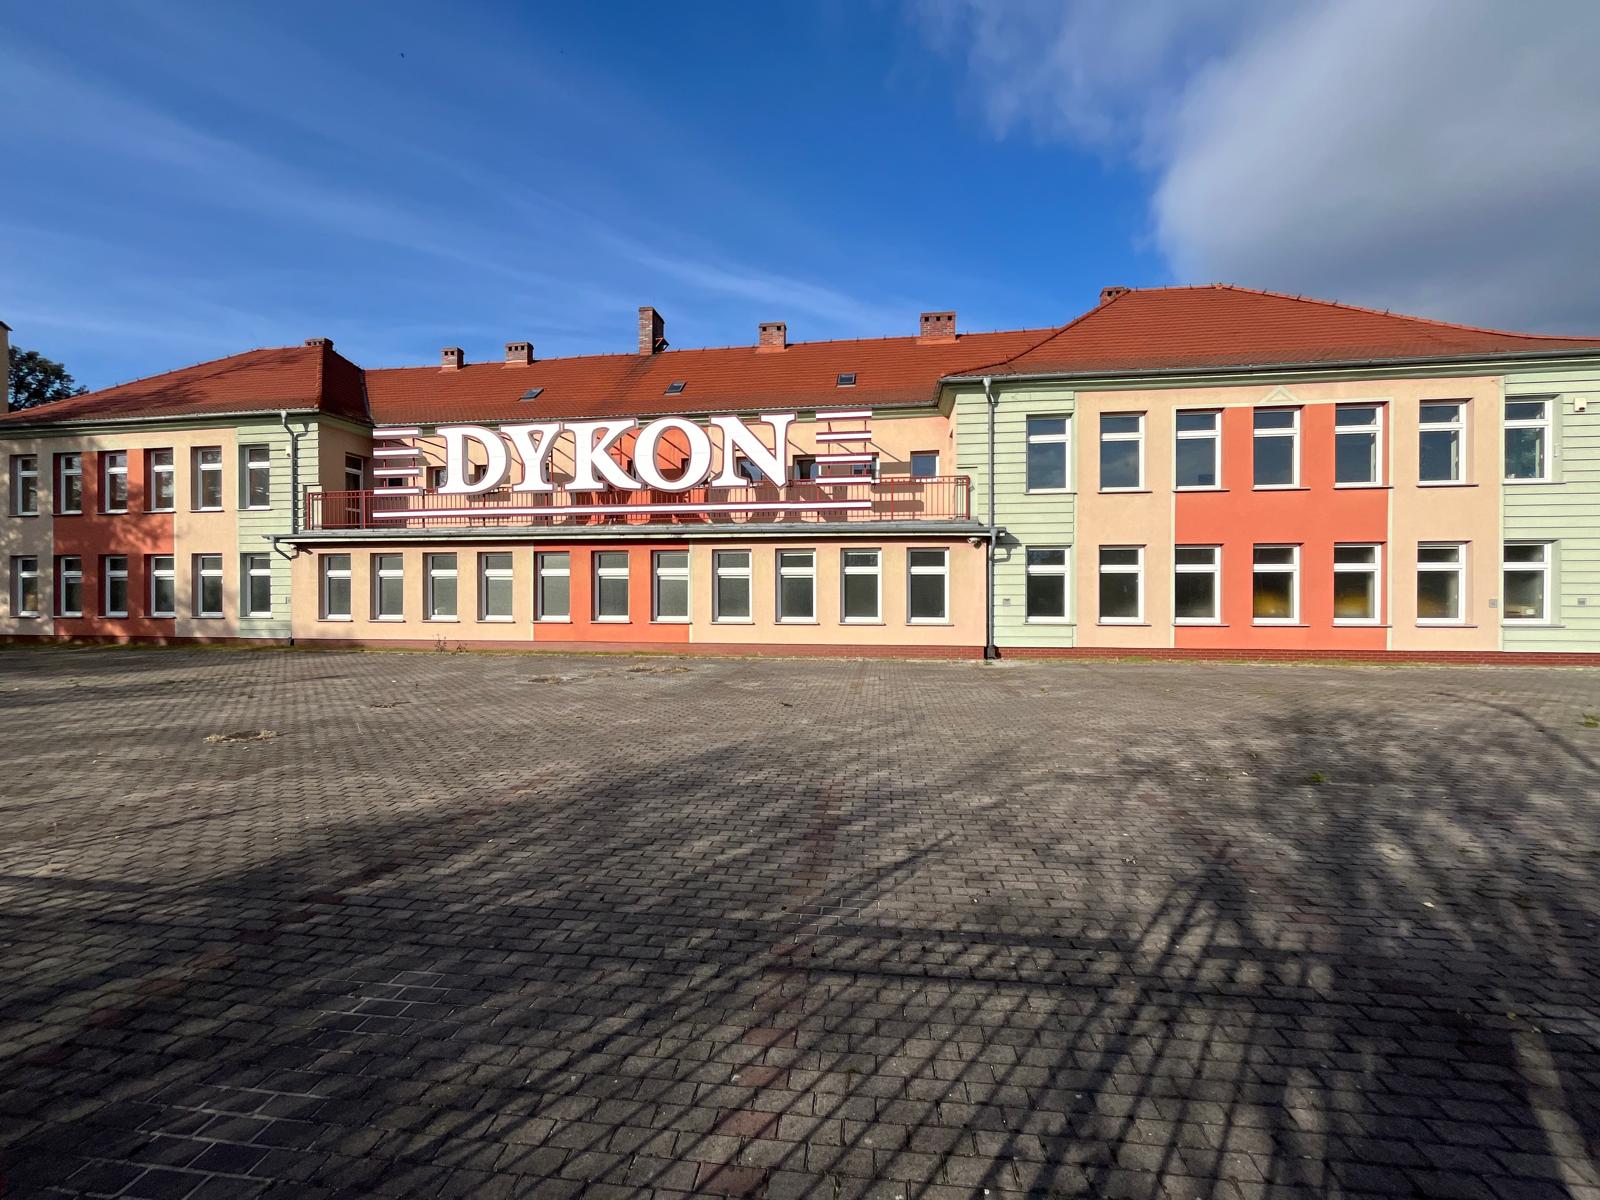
990	650
153	419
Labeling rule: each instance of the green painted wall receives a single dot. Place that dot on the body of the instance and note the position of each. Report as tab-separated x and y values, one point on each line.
1566	511
257	525
1038	520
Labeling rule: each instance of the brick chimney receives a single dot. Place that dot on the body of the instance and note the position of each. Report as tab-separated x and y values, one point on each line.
772	335
451	359
937	327
324	343
519	354
652	331
1108	294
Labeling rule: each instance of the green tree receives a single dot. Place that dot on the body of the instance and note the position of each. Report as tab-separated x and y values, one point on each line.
37	380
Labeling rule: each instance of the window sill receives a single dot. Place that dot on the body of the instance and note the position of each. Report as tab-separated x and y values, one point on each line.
1363	487
497	620
1047	620
432	620
552	620
256	617
336	620
206	617
1061	491
1515	624
927	621
1445	483
17	514
1198	623
207	510
1196	487
1138	491
733	620
158	511
669	620
1525	482
386	620
113	512
1346	624
1446	625
796	621
1280	487
255	508
861	621
1280	624
613	621
1115	624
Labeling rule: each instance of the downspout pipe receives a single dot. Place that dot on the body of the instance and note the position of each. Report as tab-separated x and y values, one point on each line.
294	471
990	650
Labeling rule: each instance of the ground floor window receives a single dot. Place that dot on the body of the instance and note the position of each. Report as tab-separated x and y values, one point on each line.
114	585
1196	585
611	585
1527	582
163	586
860	586
1121	585
208	585
388	587
335	587
797	585
25	585
69	586
1275	585
730	592
553	586
927	585
495	586
440	577
671	585
257	571
1441	575
1355	585
1047	590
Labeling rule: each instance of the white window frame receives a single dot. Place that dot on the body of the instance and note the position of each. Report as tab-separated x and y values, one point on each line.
168	573
62	575
201	574
1136	436
1457	426
1212	435
355	465
1544	423
1292	433
875	571
1136	569
542	568
379	574
623	573
1062	439
251	567
657	574
24	467
249	467
107	575
1292	569
1458	568
203	470
1544	567
485	574
719	572
911	463
113	463
19	575
1213	569
1373	430
942	570
155	469
1374	569
1064	571
69	465
326	573
796	572
433	571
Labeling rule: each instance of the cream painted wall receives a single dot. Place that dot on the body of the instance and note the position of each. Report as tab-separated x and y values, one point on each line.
32	536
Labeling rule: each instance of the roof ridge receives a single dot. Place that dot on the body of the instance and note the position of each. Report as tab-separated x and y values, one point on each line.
1383	312
1051	336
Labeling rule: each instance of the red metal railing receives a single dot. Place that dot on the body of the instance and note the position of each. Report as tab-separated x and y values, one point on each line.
944	498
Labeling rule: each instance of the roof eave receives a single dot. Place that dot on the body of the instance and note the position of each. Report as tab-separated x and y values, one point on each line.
297	410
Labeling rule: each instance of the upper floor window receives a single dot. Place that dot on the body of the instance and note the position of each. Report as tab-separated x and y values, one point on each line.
1440	433
69	483
114	481
1121	452
355	473
161	481
1199	450
1276	447
1528	439
208	478
1049	442
1358	444
24	485
924	464
255	465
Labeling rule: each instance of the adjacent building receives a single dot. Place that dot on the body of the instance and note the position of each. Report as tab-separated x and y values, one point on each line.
1208	471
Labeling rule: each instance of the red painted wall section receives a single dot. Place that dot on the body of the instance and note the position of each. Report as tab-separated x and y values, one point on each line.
1316	516
135	533
639	628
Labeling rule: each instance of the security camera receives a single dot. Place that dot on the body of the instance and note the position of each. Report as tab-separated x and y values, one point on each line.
976	540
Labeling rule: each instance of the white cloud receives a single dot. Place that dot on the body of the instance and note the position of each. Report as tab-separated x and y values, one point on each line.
1435	156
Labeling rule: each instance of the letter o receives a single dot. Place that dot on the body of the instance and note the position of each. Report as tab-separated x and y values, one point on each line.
644	455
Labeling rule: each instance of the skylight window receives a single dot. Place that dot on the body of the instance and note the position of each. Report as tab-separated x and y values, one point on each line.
532	393
676	386
847	379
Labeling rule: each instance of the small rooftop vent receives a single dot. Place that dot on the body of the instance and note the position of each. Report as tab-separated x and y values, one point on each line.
676	386
847	379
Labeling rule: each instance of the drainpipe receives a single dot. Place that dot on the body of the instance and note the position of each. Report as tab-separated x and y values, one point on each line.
990	650
294	472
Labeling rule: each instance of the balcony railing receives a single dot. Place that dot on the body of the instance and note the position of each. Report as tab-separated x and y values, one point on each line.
810	502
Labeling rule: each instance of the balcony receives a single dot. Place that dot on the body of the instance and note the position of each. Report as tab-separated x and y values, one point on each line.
809	502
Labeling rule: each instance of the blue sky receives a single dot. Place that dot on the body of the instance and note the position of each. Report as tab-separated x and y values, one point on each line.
199	179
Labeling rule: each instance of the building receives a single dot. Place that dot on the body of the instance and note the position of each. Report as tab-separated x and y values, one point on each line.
1207	471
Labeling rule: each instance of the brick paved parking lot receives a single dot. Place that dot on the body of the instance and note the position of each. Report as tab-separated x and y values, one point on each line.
483	926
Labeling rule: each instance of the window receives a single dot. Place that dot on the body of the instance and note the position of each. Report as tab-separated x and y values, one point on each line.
1357	444
553	587
928	586
846	379
255	464
163	586
439	572
1049	439
24	485
355	473
806	467
1528	439
1196	585
336	587
1527	582
436	477
1441	580
671	589
257	572
1277	447
1441	428
69	483
1047	583
208	478
1355	585
388	587
1199	449
161	480
676	387
797	585
69	586
496	586
114	481
730	592
1275	585
611	585
208	584
25	586
860	586
1121	585
1121	452
924	464
114	585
